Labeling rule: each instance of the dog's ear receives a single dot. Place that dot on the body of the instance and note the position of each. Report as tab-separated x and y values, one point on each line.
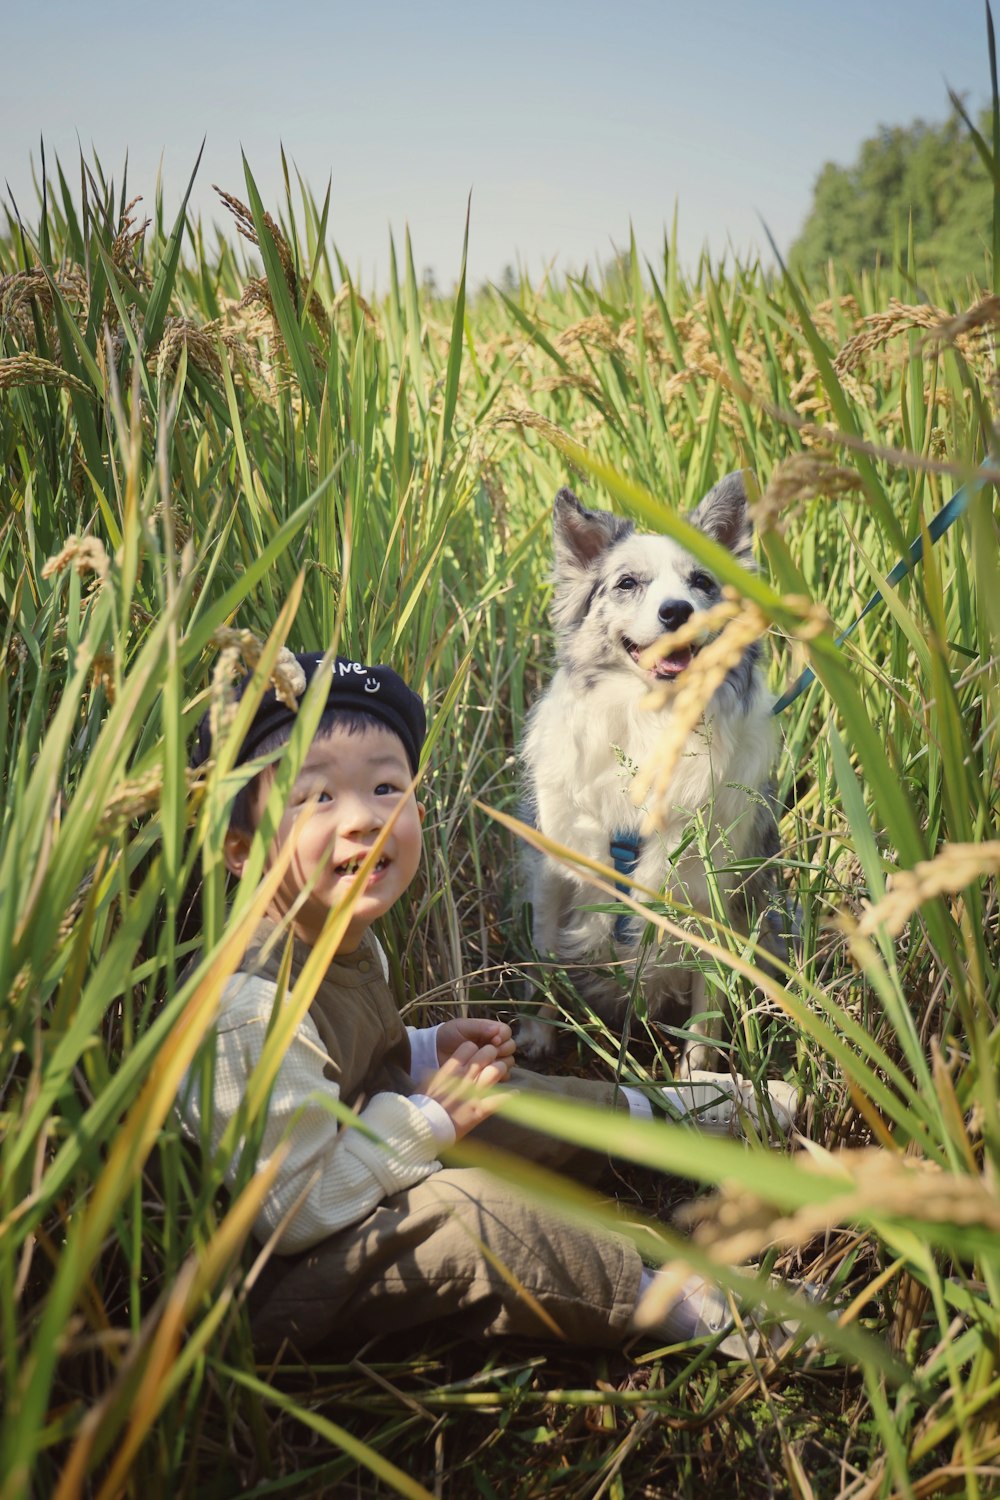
724	515
581	535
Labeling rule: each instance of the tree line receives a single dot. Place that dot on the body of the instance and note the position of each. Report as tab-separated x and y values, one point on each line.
930	173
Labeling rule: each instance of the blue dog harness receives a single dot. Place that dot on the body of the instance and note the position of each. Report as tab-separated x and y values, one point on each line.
625	850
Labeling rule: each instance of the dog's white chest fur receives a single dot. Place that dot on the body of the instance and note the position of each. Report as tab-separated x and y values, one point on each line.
582	752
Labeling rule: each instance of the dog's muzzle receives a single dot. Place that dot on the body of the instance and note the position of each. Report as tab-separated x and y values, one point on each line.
666	667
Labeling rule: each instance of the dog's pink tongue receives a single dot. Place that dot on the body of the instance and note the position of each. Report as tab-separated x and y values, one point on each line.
674	664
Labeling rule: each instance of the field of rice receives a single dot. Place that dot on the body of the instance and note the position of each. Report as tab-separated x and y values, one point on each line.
213	447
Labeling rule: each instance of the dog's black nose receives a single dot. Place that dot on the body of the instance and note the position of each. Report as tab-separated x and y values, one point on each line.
674	613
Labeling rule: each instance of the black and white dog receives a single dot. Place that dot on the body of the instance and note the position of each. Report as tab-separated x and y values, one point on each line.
617	591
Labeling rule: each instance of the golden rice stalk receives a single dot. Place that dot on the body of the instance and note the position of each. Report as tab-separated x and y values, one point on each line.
256	321
27	295
241	648
744	623
126	250
881	327
703	626
180	333
17	655
103	674
240	212
983	314
571	382
245	226
133	799
30	369
200	340
709	364
348	294
824	315
597	330
875	1184
523	416
255	292
692	320
673	387
17	292
807	393
130	801
181	526
86	554
111	344
801	476
951	870
288	678
652	331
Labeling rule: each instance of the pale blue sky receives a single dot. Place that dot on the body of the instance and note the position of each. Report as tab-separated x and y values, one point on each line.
565	118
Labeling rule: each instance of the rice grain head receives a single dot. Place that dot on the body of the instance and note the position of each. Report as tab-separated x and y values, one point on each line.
241	649
86	554
743	623
950	871
880	327
737	1224
984	314
25	369
802	476
598	330
523	416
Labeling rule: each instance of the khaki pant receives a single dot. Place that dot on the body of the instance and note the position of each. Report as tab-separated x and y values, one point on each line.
462	1247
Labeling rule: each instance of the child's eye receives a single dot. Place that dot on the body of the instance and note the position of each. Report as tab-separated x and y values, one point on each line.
385	789
323	797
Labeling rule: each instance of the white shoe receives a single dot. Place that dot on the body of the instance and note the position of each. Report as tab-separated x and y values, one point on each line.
769	1335
716	1101
703	1311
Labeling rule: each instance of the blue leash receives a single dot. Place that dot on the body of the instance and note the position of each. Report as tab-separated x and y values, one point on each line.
939	524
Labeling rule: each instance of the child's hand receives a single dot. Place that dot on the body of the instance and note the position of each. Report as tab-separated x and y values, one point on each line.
457	1082
497	1034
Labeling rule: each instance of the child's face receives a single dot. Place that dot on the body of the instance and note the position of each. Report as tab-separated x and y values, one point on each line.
350	783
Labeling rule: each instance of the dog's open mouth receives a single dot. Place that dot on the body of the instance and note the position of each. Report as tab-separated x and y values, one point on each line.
668	666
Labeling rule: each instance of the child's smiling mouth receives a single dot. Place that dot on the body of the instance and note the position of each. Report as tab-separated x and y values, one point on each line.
353	865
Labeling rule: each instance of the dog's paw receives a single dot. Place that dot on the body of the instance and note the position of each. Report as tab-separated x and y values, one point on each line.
536	1040
786	1099
698	1056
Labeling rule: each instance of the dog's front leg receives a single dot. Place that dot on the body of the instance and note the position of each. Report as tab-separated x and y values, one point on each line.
551	897
700	1053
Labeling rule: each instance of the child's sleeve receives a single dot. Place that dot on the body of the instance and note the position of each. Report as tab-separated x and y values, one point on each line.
423	1050
423	1039
333	1174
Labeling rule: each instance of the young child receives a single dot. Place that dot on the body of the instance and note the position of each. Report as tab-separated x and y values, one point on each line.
372	1233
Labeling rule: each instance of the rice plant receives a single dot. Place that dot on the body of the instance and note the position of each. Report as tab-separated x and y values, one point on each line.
207	452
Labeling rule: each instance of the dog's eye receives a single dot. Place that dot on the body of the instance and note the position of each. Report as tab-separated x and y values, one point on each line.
703	582
626	583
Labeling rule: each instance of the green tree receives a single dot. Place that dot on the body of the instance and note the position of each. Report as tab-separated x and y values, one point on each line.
930	173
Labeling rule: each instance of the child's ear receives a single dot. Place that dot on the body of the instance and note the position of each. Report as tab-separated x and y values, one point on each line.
421	811
236	850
